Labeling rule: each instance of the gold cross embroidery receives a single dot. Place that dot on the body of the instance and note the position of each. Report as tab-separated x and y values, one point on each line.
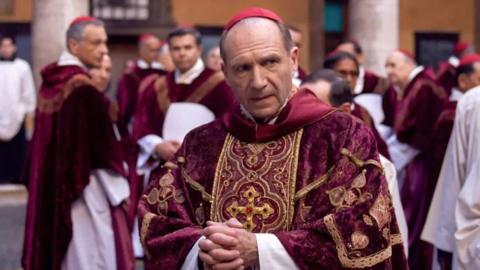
250	210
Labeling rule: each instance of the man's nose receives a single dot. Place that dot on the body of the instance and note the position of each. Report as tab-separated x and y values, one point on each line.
258	81
104	49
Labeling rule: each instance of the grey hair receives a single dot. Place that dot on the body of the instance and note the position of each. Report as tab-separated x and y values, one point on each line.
75	31
284	31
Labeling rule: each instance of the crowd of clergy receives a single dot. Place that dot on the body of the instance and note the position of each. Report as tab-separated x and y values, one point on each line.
336	168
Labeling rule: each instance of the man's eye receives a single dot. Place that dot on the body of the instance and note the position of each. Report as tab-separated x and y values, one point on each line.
270	62
242	68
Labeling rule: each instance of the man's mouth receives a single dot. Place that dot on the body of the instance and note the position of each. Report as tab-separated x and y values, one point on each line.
260	98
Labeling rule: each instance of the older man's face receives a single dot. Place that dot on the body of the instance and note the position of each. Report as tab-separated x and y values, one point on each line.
92	47
398	69
149	49
258	67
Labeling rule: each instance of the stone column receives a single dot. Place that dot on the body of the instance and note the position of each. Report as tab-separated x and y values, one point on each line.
375	25
50	22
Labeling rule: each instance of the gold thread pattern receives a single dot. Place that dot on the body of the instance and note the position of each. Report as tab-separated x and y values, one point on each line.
304	211
144	230
358	162
54	104
250	209
359	240
341	197
200	214
368	220
267	171
197	187
380	211
166	190
396	239
313	185
345	260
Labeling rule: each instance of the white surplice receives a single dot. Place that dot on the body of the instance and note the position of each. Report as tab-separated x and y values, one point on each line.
467	210
92	246
17	96
459	166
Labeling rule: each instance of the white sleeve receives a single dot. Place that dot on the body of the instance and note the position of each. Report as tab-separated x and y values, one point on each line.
467	217
147	149
272	254
191	261
28	89
391	176
400	153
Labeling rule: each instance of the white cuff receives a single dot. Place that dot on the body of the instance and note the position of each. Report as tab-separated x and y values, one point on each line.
400	153
147	149
191	261
272	254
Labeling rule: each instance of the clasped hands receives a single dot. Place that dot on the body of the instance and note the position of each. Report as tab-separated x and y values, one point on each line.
228	246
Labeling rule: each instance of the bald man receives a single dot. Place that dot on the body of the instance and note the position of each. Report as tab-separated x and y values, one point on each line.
282	181
411	108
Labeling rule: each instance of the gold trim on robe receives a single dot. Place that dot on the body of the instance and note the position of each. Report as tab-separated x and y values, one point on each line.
54	104
255	183
360	262
144	230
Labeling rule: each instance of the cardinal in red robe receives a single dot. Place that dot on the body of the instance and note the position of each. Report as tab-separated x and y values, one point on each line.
74	164
283	181
411	107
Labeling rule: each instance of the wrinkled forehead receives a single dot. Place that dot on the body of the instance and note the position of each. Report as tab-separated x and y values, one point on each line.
251	31
397	58
252	25
93	31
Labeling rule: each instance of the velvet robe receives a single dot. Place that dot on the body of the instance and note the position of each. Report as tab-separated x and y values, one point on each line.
73	135
159	92
412	114
127	94
313	179
447	77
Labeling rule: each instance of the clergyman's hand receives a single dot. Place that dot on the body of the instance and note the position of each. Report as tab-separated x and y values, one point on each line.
215	256
232	236
167	149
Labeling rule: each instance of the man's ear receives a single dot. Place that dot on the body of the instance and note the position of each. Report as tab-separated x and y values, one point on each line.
462	81
222	67
346	107
73	45
294	53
